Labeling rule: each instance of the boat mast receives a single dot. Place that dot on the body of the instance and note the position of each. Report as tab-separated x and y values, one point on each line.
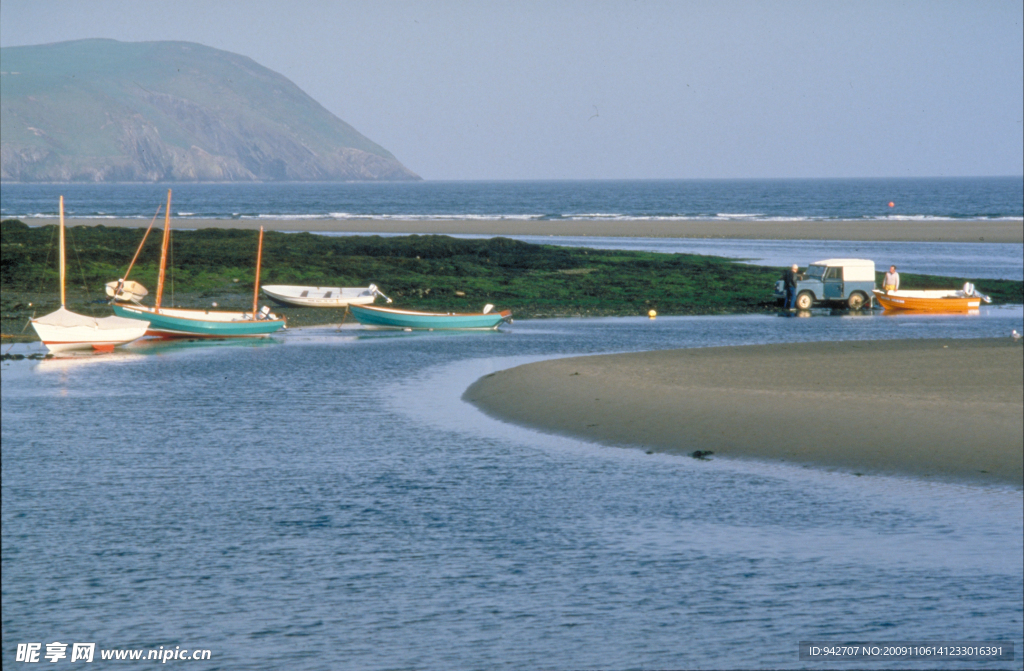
256	290
62	251
132	264
163	253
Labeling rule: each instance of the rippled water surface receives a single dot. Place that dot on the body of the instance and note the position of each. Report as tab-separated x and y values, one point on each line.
920	199
325	500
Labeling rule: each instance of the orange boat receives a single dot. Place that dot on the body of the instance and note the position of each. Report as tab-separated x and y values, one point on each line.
933	300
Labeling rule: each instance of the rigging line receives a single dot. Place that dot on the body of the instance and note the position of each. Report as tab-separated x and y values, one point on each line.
152	221
170	262
49	250
81	269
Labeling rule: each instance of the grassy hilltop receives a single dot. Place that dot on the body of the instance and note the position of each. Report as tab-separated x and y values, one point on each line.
102	110
432	272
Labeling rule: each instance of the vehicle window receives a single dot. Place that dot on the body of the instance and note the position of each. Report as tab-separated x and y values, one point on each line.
833	273
814	272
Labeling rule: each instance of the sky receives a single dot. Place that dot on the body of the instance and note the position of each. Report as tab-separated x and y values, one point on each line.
564	89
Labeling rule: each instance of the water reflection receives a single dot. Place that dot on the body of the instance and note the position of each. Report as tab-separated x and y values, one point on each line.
168	345
67	361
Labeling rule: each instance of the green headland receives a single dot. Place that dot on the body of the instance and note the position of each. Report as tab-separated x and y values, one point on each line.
99	110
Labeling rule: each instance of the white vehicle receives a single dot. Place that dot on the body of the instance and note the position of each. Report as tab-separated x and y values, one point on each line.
847	281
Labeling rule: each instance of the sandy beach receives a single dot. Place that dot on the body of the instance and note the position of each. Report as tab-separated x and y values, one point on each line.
942	230
947	409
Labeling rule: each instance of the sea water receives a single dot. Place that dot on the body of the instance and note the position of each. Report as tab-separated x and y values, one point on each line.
724	200
324	499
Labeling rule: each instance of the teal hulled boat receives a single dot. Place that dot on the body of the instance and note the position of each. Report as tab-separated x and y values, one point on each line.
382	317
182	323
179	323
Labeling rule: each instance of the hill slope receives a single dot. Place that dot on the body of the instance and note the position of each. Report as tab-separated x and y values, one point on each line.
102	110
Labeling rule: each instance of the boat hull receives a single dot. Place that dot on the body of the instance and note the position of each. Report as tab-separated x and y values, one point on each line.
380	317
177	323
927	301
319	297
66	330
64	338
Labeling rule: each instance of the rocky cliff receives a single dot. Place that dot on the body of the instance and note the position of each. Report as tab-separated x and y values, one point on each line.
101	110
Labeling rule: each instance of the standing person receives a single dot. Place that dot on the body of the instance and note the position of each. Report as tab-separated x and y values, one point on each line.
791	277
891	281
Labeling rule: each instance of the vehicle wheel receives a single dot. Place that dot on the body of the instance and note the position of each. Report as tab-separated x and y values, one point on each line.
856	301
804	301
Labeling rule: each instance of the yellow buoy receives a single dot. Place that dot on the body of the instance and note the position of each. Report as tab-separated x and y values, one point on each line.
652	314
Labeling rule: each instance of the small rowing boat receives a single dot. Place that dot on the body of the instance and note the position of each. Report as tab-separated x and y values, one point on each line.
322	297
933	300
381	317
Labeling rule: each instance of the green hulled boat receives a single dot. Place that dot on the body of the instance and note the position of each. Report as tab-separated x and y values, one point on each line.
182	323
381	317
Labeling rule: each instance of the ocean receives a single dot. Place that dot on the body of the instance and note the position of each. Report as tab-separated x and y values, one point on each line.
757	200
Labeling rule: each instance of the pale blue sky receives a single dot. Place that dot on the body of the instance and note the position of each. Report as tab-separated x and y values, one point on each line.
580	90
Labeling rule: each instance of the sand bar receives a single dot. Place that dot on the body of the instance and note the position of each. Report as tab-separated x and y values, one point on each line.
947	409
943	230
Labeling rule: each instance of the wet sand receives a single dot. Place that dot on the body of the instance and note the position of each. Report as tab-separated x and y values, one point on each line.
947	409
912	231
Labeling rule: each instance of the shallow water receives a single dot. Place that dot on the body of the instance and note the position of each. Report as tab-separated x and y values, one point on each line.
975	260
325	500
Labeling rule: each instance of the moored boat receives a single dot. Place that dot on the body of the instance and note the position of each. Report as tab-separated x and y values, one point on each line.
382	317
322	297
184	323
932	300
66	330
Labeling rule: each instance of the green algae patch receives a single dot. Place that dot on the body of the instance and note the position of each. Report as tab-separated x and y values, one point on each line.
427	272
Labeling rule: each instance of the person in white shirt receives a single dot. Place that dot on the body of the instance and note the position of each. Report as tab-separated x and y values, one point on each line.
892	280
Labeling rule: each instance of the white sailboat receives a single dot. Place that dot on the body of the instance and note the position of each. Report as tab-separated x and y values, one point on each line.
67	330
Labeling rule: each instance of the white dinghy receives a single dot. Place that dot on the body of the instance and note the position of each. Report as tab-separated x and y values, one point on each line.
323	297
129	290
